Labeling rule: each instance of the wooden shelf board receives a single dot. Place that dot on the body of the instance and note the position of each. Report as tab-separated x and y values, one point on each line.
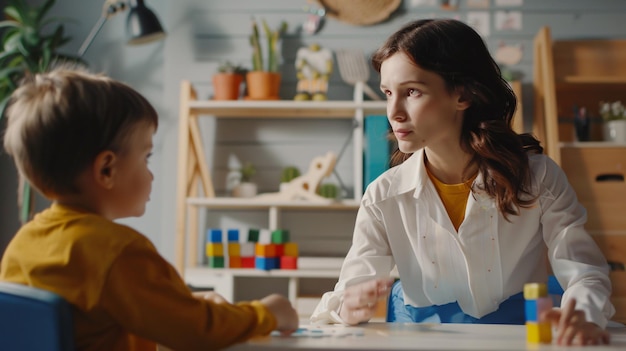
252	203
595	79
285	108
196	273
592	144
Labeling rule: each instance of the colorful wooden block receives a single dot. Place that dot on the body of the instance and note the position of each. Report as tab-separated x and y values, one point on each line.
214	249
253	235
235	262
214	235
280	249
535	290
233	235
536	303
248	262
246	249
538	332
234	249
290	249
280	236
266	263
265	236
288	262
265	250
216	261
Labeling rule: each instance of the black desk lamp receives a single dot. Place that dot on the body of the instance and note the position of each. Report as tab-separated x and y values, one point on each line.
142	25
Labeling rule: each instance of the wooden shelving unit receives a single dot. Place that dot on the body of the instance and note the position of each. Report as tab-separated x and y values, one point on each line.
584	73
195	188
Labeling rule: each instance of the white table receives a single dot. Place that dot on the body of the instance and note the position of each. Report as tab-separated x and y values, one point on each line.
399	336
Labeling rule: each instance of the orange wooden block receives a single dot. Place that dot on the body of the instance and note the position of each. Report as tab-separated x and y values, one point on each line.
265	250
235	262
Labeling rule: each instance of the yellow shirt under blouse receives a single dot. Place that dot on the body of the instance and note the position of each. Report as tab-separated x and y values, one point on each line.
454	197
118	284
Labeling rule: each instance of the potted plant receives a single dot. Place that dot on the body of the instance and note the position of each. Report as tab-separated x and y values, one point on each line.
246	188
614	116
263	81
227	81
29	46
288	174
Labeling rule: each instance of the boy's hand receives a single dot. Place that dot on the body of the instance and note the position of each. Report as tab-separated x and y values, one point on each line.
573	329
286	315
359	301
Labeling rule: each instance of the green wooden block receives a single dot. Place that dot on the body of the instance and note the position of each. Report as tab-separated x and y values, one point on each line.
253	235
280	236
216	261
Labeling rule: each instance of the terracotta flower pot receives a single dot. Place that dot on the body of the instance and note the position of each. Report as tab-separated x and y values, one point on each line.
226	86
263	85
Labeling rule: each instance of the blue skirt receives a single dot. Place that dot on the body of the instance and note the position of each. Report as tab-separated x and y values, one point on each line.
511	311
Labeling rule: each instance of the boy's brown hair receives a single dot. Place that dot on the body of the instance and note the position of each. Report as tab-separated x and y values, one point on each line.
59	121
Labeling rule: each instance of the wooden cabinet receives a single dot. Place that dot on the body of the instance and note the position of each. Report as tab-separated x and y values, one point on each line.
583	73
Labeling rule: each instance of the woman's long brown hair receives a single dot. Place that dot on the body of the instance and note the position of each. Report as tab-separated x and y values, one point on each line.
458	54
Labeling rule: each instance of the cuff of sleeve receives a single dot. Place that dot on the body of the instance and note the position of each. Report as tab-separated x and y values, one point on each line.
329	314
266	320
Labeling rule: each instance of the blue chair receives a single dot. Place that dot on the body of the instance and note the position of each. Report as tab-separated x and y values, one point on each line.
34	319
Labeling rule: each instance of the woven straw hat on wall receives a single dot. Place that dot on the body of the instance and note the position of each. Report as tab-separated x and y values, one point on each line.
359	12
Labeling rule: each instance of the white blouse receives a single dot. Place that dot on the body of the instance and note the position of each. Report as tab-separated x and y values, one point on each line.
403	223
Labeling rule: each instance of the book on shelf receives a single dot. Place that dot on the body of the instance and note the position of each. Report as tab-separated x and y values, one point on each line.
377	148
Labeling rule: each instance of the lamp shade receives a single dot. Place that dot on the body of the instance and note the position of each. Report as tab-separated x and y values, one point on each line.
142	25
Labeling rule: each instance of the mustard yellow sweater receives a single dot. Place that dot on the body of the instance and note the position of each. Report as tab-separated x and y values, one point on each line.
118	284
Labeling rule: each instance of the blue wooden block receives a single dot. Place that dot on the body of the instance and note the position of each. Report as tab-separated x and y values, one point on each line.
530	307
265	263
214	235
233	235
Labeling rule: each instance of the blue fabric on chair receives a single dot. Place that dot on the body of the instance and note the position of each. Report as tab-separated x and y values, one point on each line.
511	311
34	319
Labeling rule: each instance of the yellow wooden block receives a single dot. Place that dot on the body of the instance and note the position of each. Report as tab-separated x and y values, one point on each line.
533	291
538	332
234	249
291	249
214	249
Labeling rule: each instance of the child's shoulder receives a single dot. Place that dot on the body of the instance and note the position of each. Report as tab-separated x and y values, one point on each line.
86	230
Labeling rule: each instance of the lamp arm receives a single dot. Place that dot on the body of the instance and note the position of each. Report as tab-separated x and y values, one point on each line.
109	9
92	35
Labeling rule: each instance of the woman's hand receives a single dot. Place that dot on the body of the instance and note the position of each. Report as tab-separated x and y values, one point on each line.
573	329
359	301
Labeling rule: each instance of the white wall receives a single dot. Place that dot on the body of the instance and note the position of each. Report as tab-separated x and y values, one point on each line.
202	33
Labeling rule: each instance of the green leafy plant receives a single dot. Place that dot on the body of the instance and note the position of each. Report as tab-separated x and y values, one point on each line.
611	111
289	174
247	171
229	67
328	190
272	60
30	42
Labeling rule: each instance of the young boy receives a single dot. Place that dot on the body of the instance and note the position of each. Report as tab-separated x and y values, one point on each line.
84	141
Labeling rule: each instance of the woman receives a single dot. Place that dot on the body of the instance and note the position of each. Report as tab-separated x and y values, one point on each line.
471	207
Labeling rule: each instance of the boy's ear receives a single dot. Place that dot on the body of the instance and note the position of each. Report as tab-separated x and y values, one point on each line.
104	169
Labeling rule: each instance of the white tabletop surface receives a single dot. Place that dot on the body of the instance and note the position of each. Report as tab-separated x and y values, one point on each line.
401	336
